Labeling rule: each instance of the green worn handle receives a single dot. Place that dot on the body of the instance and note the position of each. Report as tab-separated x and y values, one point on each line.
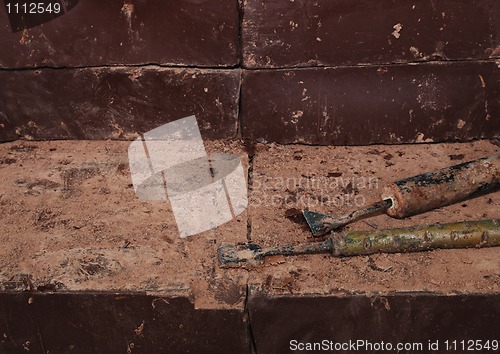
481	233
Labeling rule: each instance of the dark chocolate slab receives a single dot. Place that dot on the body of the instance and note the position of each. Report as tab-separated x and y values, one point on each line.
115	103
368	105
25	14
93	33
116	323
398	318
287	33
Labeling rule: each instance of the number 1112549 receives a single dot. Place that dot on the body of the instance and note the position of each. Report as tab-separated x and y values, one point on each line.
33	8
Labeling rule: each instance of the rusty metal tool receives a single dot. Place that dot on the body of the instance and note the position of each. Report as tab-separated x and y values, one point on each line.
480	233
421	193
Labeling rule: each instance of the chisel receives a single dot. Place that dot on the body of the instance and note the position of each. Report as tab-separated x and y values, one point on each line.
480	233
421	193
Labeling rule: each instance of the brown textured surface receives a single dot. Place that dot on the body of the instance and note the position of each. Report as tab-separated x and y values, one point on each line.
23	15
282	33
71	221
402	318
86	267
115	103
368	105
182	32
72	226
336	180
116	323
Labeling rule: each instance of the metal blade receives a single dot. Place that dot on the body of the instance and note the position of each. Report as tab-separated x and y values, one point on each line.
321	224
251	255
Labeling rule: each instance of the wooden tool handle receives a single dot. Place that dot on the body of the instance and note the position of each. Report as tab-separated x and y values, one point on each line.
480	233
436	189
